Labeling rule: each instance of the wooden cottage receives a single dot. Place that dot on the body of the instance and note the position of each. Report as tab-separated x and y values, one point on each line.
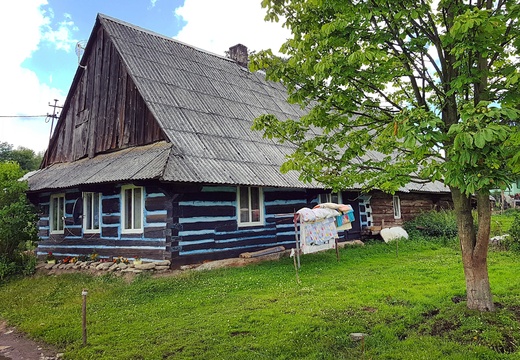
153	156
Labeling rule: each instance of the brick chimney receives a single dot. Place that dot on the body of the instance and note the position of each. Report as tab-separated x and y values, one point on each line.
239	54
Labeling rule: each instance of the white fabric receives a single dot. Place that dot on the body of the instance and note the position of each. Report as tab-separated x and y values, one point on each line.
393	233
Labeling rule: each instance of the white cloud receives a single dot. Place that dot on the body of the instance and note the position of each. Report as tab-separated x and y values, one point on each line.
62	38
225	23
23	27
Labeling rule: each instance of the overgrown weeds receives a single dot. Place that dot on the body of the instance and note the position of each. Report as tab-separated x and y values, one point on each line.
433	224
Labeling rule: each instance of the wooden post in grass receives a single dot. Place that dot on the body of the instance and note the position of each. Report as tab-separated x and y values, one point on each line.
84	294
296	269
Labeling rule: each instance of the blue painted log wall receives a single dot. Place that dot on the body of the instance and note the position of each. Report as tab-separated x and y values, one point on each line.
184	223
110	241
205	224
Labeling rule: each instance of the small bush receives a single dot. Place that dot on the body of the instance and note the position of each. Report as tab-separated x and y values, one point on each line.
513	241
7	268
439	224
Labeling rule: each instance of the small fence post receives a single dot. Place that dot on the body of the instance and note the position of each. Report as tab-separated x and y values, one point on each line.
84	294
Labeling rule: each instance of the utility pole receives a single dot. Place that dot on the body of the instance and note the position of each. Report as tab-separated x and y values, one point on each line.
52	117
54	114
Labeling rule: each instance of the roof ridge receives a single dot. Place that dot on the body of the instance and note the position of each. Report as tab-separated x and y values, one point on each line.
151	32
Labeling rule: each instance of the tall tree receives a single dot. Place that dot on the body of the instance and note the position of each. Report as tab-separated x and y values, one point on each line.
25	157
430	86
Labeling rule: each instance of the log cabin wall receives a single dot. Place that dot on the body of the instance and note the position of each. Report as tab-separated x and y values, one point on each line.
411	205
109	241
205	223
104	110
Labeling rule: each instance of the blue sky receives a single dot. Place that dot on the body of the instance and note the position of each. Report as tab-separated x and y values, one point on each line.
38	40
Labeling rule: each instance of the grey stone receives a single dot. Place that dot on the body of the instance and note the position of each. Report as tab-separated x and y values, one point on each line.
147	266
122	266
162	263
104	266
114	267
358	336
159	268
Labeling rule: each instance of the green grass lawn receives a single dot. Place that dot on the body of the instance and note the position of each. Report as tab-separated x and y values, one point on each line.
405	305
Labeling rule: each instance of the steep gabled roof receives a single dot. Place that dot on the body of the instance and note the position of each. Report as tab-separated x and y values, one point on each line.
204	104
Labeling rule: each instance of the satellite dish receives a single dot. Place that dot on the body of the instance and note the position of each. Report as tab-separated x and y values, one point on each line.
80	49
77	211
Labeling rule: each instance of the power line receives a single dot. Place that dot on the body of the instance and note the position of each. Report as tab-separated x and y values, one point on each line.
22	116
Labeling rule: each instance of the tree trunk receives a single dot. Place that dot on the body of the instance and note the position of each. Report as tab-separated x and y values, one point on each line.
474	247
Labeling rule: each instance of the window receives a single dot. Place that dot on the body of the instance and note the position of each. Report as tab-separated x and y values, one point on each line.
330	198
57	213
132	209
91	212
250	202
397	207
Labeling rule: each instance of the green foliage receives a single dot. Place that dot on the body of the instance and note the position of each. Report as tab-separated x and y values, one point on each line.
501	223
401	92
403	303
26	158
7	268
17	221
441	224
514	234
430	86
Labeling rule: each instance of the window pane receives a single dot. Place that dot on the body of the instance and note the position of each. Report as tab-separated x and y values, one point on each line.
334	197
61	212
95	212
128	208
244	204
87	210
137	208
397	207
255	204
54	213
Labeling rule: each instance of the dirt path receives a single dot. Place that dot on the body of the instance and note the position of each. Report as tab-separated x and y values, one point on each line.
14	345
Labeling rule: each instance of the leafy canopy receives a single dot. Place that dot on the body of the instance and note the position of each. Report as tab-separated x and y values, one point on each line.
399	91
27	159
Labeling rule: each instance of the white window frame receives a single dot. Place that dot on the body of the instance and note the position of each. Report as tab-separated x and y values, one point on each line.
327	198
56	219
132	229
88	208
396	203
260	205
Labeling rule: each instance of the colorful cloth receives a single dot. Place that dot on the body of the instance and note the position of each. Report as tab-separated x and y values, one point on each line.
317	236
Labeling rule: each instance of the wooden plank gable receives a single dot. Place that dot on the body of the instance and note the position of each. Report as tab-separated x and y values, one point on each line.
104	110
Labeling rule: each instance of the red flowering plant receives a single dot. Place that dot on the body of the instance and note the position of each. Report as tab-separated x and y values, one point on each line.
50	256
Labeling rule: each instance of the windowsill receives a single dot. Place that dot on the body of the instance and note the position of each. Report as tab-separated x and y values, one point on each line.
97	231
137	231
251	224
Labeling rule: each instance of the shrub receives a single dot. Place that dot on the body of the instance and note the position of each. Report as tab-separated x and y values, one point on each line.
513	241
18	219
7	268
439	224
